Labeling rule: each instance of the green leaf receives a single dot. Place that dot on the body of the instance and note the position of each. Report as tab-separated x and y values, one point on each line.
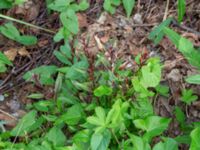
153	125
5	60
18	2
188	97
43	72
181	9
82	139
25	124
103	90
195	136
157	33
70	21
128	5
11	32
139	143
162	90
36	96
56	136
194	79
100	141
108	6
180	116
60	5
151	73
169	144
72	116
4	4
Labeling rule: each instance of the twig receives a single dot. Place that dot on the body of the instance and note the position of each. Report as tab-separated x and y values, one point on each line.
26	23
185	27
7	114
166	11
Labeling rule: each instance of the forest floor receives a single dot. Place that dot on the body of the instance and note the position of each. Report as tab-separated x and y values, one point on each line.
130	37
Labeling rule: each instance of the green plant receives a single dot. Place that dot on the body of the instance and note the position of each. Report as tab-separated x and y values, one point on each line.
5	4
109	5
3	62
184	45
188	97
11	32
68	18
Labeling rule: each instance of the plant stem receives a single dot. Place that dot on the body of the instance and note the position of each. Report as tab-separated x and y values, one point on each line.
26	23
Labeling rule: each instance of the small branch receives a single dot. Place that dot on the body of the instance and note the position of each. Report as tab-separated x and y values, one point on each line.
166	11
7	114
25	23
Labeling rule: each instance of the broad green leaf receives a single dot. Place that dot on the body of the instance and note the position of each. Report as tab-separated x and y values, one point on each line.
195	136
139	143
25	124
56	136
194	79
181	9
168	144
128	6
151	73
72	116
153	125
100	112
100	141
103	90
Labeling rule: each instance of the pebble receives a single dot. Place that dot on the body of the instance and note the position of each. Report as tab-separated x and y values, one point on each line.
138	18
174	75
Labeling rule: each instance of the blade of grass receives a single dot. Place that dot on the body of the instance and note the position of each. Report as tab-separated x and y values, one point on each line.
26	23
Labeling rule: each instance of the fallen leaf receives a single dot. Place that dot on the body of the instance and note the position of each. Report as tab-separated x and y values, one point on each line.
99	44
11	54
82	20
23	52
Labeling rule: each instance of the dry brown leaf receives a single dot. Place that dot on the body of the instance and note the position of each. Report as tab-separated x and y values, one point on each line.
23	52
82	19
99	44
11	54
43	43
